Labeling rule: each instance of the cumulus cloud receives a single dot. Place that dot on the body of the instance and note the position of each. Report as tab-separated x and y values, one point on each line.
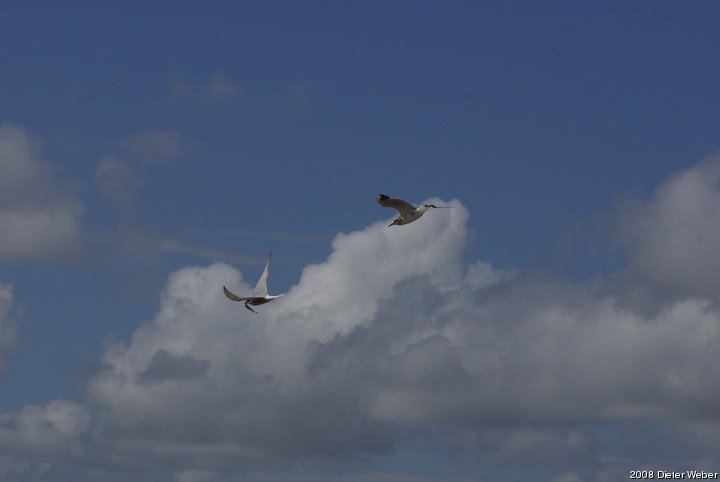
394	340
672	238
391	333
256	387
36	217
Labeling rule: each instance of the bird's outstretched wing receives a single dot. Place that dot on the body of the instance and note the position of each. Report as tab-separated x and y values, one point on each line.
261	286
403	207
232	296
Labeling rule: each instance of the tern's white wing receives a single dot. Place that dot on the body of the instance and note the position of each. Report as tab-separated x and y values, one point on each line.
261	286
233	296
403	207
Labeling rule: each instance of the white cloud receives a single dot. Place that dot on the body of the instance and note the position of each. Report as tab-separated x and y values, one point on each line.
334	296
394	337
257	363
391	333
673	239
36	218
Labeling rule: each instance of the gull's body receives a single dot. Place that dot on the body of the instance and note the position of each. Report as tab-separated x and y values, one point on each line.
407	212
260	290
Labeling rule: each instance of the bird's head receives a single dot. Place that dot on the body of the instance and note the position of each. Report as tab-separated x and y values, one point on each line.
396	222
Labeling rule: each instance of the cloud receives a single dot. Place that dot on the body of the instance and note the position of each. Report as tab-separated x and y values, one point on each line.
672	239
166	366
205	476
172	245
7	330
280	236
154	145
395	341
567	477
217	89
257	365
122	183
50	430
118	180
391	334
36	218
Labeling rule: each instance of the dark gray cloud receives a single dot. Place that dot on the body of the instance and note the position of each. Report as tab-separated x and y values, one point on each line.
166	366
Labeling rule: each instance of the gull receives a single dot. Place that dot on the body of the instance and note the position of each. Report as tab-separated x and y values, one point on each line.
260	290
408	212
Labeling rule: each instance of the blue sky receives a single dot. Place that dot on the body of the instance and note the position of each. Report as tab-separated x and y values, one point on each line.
149	155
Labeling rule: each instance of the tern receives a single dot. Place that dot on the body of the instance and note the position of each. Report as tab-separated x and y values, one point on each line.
260	290
408	212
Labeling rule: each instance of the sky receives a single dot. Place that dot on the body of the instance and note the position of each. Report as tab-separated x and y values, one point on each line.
559	324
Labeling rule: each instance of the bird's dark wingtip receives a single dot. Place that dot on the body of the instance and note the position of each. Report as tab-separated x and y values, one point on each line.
382	198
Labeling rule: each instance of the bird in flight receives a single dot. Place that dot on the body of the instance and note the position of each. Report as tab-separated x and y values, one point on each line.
408	212
260	290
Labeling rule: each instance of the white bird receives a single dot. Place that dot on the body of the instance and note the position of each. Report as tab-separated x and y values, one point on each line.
408	212
260	290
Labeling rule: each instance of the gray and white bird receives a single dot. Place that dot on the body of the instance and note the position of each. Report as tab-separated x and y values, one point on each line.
260	290
408	212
